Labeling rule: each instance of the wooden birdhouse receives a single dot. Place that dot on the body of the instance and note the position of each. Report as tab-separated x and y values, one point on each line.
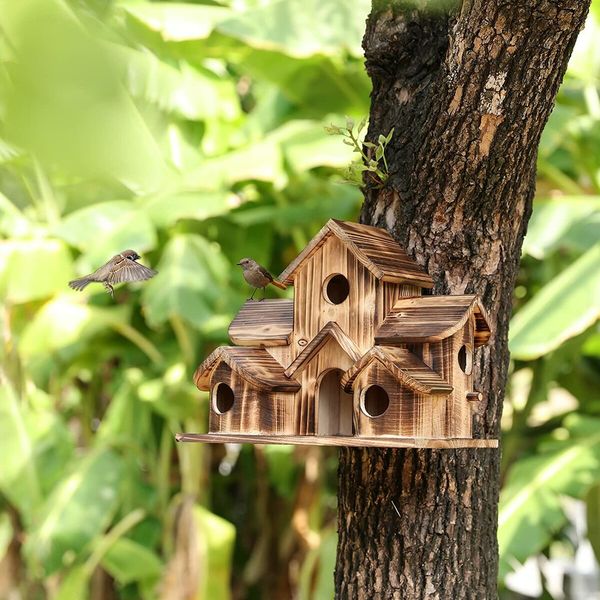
359	357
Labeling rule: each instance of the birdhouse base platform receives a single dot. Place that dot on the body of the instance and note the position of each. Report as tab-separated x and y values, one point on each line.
337	440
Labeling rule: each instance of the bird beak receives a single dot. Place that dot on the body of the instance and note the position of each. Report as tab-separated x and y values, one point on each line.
239	264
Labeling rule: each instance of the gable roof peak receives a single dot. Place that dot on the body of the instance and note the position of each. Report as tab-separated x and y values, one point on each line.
374	247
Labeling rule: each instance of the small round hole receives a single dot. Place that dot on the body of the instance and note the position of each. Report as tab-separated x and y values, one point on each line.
465	360
223	398
375	401
336	289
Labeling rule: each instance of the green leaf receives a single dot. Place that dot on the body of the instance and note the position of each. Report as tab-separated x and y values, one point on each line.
113	227
75	585
302	28
70	89
216	537
565	307
33	269
530	511
19	479
191	93
554	222
189	284
76	512
64	321
167	210
177	21
128	561
592	501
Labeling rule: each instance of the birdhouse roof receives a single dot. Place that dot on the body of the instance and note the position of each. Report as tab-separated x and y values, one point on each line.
375	248
431	319
255	365
264	323
330	331
406	367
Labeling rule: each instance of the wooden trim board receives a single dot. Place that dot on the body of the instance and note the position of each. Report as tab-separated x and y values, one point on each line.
338	440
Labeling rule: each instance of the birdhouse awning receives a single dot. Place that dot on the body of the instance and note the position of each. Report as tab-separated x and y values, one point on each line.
255	365
375	248
330	331
431	319
264	323
405	366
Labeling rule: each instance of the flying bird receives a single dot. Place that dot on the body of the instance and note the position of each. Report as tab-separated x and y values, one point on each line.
120	268
257	276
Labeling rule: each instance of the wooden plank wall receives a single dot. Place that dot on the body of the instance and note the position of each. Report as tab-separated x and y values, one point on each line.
253	410
331	356
409	414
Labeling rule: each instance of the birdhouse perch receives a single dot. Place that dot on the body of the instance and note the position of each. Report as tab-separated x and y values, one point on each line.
359	357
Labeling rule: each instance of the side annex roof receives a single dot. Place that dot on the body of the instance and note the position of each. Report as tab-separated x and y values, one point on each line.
431	319
263	323
406	367
375	248
255	365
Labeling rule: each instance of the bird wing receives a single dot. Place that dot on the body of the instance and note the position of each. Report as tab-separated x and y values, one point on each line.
129	270
266	273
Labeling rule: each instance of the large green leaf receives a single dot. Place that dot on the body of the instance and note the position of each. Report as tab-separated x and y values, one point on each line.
166	210
19	479
177	21
33	269
565	307
129	561
66	103
102	230
302	28
216	537
561	222
76	512
192	93
530	510
191	276
64	321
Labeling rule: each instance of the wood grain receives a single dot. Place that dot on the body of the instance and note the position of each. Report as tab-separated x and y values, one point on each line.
374	248
431	319
255	365
264	323
406	368
330	331
317	440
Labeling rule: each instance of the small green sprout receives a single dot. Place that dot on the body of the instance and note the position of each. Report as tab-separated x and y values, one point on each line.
372	160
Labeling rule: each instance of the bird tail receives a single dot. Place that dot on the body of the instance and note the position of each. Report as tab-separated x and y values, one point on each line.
79	284
278	284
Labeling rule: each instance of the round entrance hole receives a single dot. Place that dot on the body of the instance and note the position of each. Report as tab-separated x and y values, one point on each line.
223	398
465	359
375	401
336	289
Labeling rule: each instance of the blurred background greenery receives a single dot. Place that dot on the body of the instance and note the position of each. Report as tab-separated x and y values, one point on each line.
194	133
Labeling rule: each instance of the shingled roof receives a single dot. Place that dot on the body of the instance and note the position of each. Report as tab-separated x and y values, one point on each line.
375	248
431	319
407	368
264	323
255	365
330	331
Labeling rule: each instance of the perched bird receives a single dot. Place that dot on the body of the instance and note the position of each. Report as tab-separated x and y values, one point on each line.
257	276
121	267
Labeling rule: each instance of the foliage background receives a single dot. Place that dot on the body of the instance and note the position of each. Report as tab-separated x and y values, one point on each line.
194	133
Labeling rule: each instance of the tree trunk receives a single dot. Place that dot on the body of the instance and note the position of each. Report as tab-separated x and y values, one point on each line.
468	90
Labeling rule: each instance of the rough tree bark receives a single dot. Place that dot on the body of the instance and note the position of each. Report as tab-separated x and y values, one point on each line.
468	88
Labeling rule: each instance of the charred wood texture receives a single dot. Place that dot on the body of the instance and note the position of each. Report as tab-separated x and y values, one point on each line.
468	88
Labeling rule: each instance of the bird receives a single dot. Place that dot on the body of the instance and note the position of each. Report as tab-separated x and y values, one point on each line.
258	277
121	267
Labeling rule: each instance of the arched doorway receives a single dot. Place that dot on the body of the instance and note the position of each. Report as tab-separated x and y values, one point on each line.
334	405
